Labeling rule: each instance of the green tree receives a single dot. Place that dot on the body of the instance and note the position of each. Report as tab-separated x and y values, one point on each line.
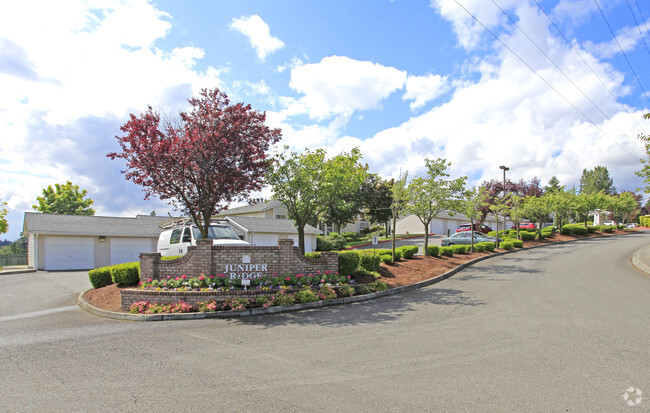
587	203
470	206
433	193
515	210
499	208
4	225
554	185
562	204
64	199
537	210
17	247
595	180
400	198
376	198
645	171
342	178
308	184
622	206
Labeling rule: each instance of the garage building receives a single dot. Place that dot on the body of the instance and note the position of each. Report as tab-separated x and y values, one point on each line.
81	242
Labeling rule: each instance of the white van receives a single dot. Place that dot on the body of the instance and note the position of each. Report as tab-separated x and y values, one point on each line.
174	241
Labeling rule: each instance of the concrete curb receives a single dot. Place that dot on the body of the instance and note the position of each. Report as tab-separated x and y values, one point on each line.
9	272
297	307
640	258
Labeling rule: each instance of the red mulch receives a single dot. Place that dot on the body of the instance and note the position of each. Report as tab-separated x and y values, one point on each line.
406	272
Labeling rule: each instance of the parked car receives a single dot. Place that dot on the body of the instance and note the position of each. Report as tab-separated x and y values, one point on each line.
467	227
526	225
175	241
464	238
610	222
631	225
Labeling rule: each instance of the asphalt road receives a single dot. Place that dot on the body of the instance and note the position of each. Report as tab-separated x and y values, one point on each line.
559	328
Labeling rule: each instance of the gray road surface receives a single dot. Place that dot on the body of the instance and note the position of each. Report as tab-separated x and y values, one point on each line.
560	328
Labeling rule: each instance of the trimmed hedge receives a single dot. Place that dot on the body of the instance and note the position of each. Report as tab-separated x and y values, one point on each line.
608	229
574	229
409	251
126	274
479	247
517	243
368	261
644	220
447	251
433	250
313	254
459	249
526	236
506	245
348	262
386	258
489	246
100	277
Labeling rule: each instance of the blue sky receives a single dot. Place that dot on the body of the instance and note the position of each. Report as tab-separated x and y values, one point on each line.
403	80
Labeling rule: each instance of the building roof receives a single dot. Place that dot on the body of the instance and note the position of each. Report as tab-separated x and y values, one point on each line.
246	209
276	226
55	224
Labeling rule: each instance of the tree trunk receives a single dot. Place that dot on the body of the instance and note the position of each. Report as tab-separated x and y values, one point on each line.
426	237
393	236
301	237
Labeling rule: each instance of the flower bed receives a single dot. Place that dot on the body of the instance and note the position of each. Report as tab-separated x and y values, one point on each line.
284	296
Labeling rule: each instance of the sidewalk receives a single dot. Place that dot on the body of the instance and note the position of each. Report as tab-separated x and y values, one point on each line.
641	259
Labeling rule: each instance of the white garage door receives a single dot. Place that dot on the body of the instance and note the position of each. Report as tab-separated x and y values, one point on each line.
62	253
265	240
129	249
437	226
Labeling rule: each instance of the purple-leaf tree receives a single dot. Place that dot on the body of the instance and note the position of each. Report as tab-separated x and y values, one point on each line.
211	156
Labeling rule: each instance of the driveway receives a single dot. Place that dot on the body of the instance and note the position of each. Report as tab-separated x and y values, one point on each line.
559	328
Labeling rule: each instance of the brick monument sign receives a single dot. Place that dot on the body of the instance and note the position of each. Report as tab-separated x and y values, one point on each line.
244	262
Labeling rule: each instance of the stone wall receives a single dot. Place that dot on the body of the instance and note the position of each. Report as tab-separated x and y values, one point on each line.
236	262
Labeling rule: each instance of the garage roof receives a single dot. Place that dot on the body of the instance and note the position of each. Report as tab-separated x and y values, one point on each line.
272	225
55	224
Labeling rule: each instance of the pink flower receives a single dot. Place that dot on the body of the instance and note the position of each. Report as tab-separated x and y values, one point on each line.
222	276
148	280
177	278
210	276
184	277
299	275
203	278
288	278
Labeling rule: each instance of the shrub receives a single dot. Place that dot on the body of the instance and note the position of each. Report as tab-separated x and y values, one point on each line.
459	249
100	277
386	259
348	262
362	289
576	229
433	250
506	245
446	251
284	298
489	246
369	261
345	291
591	229
606	229
234	304
526	236
326	293
478	247
491	234
312	254
126	274
325	244
378	229
516	243
379	286
398	254
409	251
306	295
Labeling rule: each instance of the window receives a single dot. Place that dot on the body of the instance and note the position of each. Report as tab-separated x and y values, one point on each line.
187	237
176	236
280	217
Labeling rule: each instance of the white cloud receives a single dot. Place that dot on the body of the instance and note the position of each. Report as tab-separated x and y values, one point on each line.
339	85
422	89
259	34
628	38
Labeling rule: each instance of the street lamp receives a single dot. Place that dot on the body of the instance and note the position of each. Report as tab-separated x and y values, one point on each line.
505	168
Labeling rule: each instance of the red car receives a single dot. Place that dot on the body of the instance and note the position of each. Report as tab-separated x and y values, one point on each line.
526	225
466	227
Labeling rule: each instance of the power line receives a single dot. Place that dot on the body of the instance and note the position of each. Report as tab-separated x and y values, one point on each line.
645	23
645	94
575	50
544	80
637	25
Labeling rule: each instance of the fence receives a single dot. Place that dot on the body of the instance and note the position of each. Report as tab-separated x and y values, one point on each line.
17	259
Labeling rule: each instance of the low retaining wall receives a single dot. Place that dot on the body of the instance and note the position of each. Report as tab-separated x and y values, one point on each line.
236	262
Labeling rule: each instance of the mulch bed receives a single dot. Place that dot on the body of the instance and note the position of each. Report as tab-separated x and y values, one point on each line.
406	272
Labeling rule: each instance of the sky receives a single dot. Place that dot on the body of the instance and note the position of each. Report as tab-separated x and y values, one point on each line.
545	87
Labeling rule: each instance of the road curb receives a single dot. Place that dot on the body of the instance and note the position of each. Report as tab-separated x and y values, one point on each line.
11	272
304	306
640	257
